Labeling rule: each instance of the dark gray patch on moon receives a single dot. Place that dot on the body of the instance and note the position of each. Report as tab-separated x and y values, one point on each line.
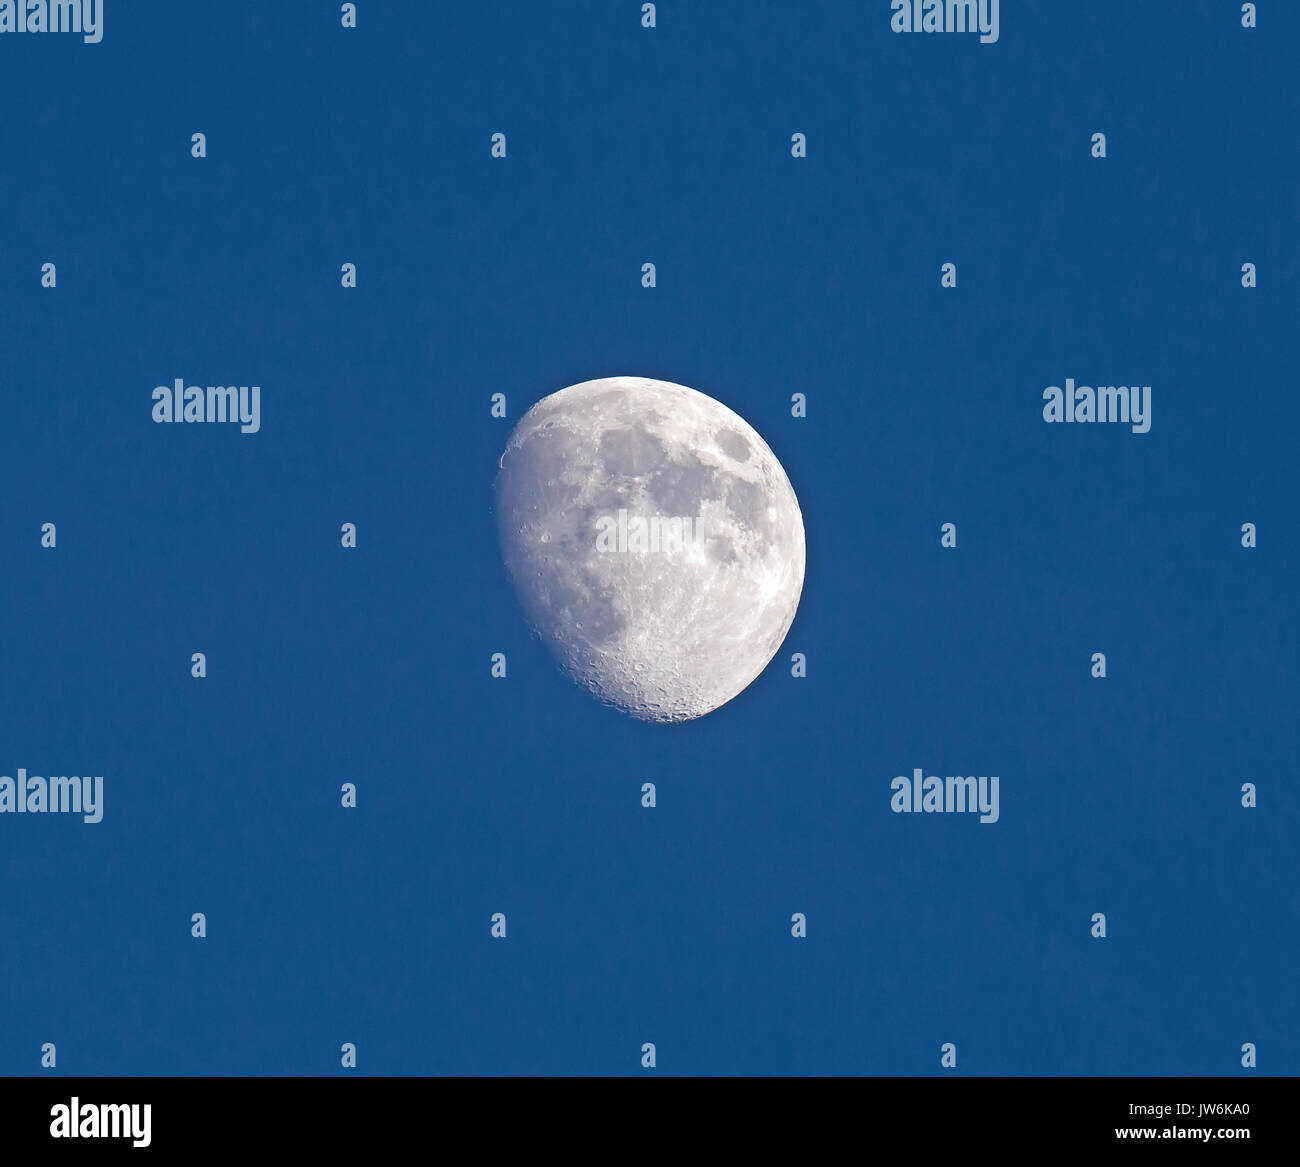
733	445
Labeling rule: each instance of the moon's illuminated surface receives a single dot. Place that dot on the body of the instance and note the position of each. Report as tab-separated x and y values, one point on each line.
654	540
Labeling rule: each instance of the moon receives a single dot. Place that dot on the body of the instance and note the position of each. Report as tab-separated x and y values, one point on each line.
654	541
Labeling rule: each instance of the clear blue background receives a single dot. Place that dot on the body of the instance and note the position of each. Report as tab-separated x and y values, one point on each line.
775	276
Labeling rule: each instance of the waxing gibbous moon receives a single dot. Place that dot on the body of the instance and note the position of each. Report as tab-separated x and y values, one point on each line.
654	541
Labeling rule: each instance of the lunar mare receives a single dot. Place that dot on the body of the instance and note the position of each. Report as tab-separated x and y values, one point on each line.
669	627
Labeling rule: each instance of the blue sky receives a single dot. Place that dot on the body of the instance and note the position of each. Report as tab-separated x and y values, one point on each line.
775	276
